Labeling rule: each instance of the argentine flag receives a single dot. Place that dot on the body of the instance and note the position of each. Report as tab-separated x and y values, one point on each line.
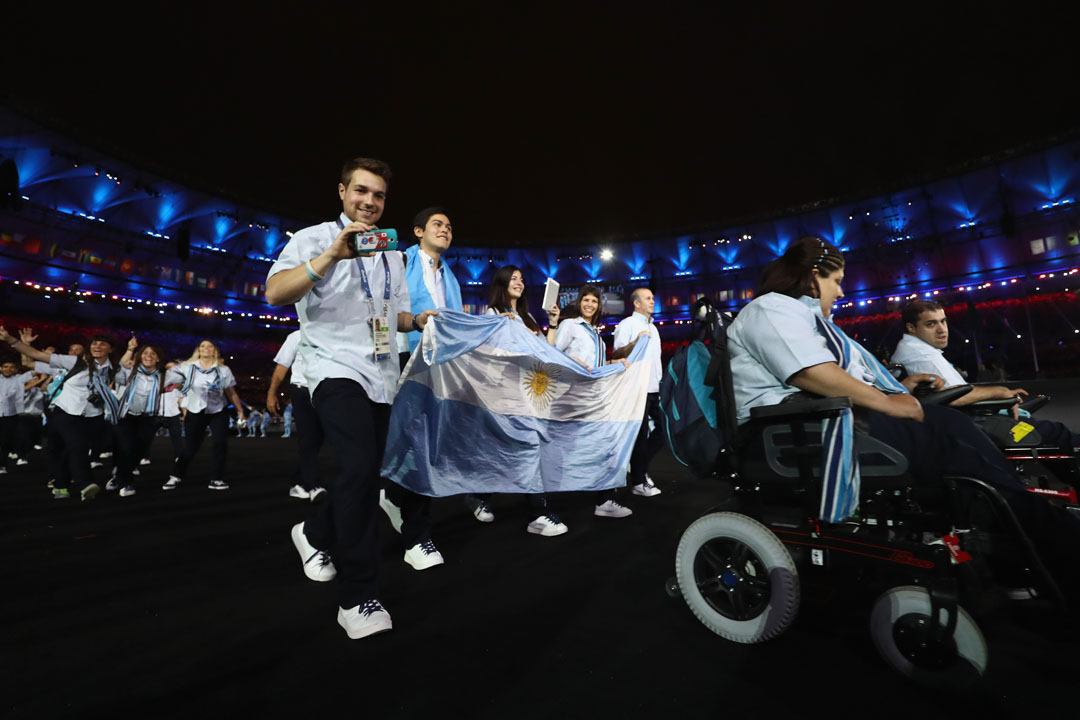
484	405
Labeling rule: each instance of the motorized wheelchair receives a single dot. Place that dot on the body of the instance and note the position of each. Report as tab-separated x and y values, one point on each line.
922	545
1046	469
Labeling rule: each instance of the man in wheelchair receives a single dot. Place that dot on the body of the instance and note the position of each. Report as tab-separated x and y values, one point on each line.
921	350
783	343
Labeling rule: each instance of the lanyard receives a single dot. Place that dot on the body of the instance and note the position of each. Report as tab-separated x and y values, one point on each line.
367	285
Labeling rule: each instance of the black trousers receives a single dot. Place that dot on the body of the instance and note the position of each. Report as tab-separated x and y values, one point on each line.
54	452
7	437
134	433
1055	433
947	442
346	524
176	434
195	432
27	434
647	444
73	435
309	436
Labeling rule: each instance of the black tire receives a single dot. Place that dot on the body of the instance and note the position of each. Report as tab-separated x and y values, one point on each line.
737	577
895	621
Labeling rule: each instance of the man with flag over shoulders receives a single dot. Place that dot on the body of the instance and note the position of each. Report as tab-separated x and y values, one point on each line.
350	308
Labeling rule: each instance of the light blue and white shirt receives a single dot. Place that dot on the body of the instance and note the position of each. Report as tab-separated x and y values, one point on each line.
580	340
627	331
11	393
76	391
288	357
204	390
774	337
336	339
918	356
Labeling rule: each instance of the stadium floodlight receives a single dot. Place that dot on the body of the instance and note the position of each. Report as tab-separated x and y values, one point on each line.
606	254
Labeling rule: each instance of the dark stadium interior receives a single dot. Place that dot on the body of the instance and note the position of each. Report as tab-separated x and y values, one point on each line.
152	168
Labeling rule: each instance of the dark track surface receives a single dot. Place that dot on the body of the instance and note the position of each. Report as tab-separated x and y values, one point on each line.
193	604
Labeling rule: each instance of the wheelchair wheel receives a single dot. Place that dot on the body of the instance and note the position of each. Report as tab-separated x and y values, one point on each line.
737	577
898	624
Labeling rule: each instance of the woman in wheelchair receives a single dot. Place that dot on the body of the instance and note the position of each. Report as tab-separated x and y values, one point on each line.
784	343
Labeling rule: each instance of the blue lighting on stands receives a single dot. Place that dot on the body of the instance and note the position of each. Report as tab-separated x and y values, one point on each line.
1057	203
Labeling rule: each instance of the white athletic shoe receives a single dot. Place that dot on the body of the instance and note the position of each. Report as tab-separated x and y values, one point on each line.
21	461
646	489
172	483
612	509
298	491
317	494
548	525
363	620
317	564
423	556
144	461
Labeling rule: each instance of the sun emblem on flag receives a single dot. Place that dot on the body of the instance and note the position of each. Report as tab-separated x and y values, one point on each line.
539	384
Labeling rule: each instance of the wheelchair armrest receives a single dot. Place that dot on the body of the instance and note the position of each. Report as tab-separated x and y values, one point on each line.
1034	403
800	408
992	406
941	397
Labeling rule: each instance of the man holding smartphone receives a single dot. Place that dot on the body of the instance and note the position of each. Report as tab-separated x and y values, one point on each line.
348	304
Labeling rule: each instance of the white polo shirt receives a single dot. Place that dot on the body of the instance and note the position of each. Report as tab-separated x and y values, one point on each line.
579	339
336	339
207	391
918	356
288	357
144	385
627	331
76	391
11	393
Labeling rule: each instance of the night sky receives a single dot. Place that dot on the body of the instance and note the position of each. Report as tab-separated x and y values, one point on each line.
544	127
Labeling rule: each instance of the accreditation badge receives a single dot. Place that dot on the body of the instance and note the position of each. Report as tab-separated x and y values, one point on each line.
380	331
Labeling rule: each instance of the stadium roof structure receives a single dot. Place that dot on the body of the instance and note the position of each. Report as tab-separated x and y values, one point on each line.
970	224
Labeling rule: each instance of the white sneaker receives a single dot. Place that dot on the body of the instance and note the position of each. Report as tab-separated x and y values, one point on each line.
90	491
20	461
172	483
127	491
423	556
12	456
317	494
37	447
105	455
610	508
363	620
480	509
112	484
3	470
392	511
218	485
135	471
298	491
144	461
96	464
646	489
547	525
317	564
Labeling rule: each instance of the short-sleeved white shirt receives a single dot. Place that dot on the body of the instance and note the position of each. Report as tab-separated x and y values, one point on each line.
336	339
578	339
203	396
918	356
170	403
627	331
144	385
288	357
774	337
76	391
11	393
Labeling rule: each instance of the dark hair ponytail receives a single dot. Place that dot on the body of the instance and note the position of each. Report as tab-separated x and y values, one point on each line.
792	274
